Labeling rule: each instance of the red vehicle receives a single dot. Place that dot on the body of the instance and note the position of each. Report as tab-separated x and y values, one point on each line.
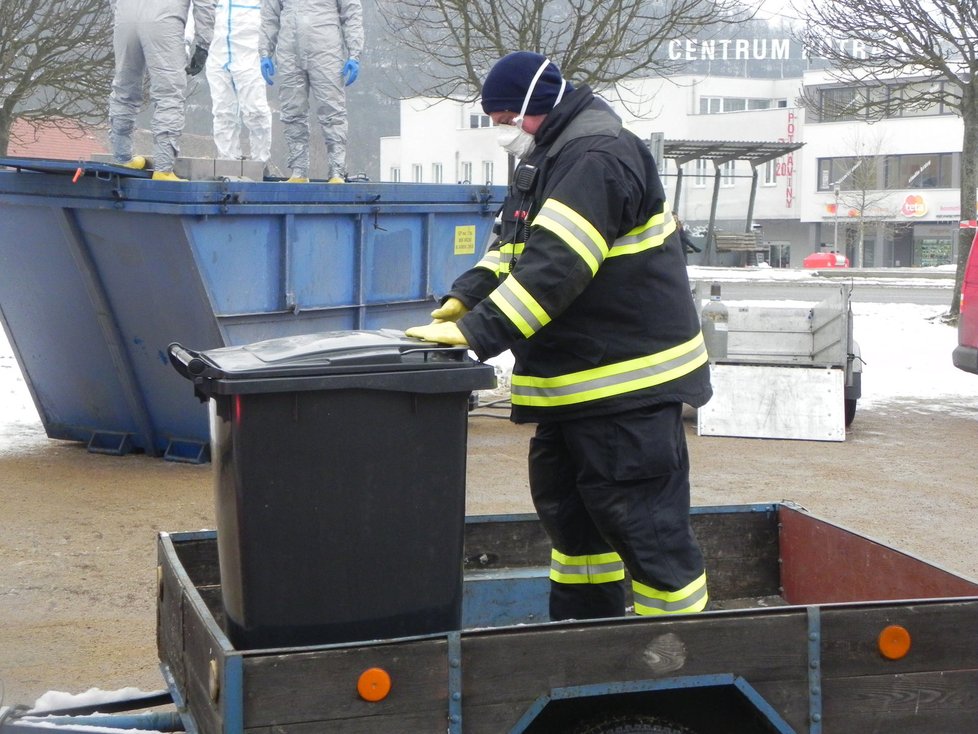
826	260
966	353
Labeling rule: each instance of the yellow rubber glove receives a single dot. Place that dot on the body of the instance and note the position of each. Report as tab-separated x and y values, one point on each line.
451	310
442	332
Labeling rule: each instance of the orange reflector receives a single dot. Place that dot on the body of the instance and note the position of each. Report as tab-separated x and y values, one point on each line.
894	642
374	684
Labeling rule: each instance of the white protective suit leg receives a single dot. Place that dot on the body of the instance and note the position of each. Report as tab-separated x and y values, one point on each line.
238	91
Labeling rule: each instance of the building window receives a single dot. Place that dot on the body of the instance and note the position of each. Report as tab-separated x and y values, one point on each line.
770	173
436	174
930	107
716	105
848	173
395	174
727	171
417	174
466	171
487	172
918	171
699	173
839	104
710	105
476	120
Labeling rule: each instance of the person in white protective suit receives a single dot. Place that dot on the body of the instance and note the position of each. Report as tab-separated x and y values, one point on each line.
149	37
316	45
234	77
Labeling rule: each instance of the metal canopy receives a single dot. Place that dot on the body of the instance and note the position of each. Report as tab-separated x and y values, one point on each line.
720	152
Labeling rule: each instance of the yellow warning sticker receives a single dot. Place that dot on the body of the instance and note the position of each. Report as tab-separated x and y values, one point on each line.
465	240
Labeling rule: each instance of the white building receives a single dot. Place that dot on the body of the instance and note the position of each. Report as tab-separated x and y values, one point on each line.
901	200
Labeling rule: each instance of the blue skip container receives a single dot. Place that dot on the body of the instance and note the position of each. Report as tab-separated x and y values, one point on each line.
101	269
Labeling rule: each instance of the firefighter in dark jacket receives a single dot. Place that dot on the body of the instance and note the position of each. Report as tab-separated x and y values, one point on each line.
586	285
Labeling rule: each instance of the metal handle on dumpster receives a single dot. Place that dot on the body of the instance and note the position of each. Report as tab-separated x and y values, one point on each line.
187	362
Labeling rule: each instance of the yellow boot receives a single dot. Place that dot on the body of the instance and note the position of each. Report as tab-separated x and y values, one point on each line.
337	179
297	179
166	176
137	161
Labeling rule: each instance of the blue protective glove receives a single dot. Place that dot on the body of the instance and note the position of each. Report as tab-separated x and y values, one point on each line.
351	70
267	69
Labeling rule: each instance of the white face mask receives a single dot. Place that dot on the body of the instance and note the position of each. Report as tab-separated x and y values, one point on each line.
512	137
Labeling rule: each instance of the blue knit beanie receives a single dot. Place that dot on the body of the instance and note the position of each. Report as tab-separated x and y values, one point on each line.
509	79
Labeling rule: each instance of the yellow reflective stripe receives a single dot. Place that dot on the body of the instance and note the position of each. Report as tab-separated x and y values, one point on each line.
507	253
691	598
512	248
597	568
519	306
610	380
575	231
489	261
644	237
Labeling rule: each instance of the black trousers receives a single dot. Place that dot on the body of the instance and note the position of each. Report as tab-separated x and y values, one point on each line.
616	483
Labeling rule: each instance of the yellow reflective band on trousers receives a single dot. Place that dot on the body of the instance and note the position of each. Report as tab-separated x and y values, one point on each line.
574	230
598	568
644	237
610	380
519	306
690	598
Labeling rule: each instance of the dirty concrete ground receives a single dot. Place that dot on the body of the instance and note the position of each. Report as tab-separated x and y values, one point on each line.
77	530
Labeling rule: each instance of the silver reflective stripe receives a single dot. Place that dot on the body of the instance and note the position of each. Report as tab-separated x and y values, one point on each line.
595	568
651	236
573	230
585	571
643	371
490	261
519	306
662	606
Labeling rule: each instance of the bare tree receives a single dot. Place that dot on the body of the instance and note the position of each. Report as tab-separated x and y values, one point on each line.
56	63
905	55
597	42
859	197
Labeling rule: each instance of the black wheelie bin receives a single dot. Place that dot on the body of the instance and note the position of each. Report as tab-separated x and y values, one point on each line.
339	474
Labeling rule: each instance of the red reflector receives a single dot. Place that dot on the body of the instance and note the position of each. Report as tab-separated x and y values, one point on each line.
237	408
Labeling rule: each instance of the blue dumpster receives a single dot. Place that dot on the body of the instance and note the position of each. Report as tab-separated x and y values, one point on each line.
101	269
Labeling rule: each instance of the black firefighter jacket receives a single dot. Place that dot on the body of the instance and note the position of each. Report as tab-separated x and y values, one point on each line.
586	283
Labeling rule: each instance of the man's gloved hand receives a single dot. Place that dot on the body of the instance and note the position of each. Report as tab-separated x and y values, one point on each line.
442	332
351	70
267	69
451	310
197	61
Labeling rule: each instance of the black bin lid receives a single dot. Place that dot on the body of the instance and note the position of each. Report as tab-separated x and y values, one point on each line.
383	359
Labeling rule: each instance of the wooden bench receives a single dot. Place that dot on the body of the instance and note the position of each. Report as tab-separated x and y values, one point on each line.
744	242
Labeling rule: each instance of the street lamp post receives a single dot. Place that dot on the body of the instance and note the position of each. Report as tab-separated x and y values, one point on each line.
835	233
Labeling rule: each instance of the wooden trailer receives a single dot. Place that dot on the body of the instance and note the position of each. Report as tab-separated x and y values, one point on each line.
811	628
